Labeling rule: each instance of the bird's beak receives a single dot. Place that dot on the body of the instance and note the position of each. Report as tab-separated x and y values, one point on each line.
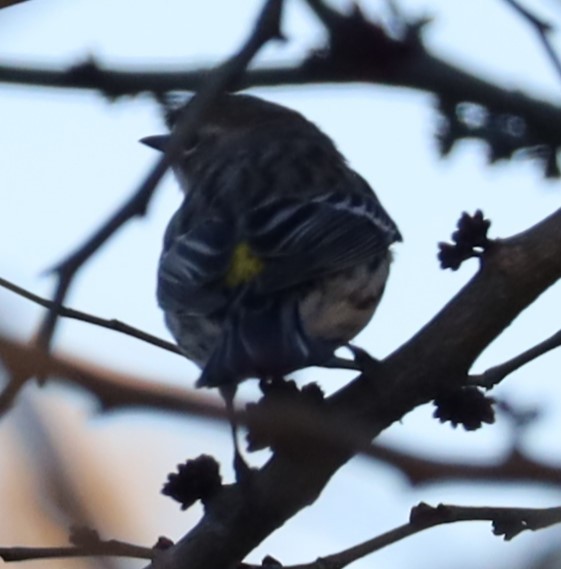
158	142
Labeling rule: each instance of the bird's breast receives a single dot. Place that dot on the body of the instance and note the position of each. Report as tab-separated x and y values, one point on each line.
341	305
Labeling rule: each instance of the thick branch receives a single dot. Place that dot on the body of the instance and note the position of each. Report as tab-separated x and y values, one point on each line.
513	274
120	392
411	67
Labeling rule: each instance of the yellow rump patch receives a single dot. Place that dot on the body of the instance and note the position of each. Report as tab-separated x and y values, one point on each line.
244	266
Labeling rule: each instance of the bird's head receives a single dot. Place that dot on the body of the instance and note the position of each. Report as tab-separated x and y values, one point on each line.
242	134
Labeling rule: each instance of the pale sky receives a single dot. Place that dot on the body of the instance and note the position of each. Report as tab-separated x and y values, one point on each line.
70	158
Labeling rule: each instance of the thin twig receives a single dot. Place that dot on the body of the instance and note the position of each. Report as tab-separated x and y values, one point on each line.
496	374
508	522
412	67
111	548
542	28
110	324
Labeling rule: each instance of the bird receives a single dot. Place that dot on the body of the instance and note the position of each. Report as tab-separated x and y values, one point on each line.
279	253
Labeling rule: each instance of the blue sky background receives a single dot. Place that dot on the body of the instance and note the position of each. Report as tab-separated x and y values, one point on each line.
69	158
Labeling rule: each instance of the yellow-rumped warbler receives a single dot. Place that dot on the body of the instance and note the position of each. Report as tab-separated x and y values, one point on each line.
279	253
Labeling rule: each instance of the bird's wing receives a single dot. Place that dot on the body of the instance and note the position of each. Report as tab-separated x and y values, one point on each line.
196	255
304	240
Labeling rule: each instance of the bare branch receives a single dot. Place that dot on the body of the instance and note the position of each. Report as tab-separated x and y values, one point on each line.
513	274
112	548
542	28
377	60
110	324
506	521
114	390
419	470
491	377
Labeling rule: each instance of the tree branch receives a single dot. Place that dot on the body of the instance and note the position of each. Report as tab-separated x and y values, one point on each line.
113	390
381	60
120	392
514	467
112	548
542	28
514	273
110	324
492	376
506	521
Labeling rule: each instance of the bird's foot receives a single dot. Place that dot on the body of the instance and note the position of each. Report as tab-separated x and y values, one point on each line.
366	363
336	362
362	360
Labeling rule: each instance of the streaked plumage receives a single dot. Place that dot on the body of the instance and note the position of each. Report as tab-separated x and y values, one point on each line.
279	253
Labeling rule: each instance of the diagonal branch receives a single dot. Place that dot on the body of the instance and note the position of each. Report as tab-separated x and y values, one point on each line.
513	274
118	392
375	59
110	324
418	470
492	376
508	522
113	548
542	28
